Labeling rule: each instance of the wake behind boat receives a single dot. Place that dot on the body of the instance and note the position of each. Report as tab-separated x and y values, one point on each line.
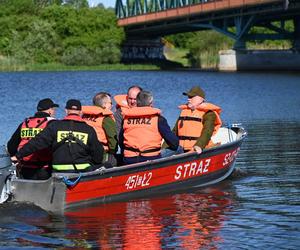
65	191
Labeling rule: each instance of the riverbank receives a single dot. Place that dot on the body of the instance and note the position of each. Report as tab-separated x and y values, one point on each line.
175	59
4	67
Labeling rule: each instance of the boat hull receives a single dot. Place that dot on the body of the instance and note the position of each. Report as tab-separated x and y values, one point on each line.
6	170
171	174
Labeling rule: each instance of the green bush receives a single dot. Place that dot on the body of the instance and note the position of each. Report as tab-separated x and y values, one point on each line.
41	31
80	56
38	45
77	56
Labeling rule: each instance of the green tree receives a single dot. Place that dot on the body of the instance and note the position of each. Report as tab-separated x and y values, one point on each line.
205	46
9	7
77	4
85	31
12	24
39	45
43	31
44	3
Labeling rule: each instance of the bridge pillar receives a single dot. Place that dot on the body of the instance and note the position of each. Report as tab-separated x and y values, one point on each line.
296	44
243	60
142	50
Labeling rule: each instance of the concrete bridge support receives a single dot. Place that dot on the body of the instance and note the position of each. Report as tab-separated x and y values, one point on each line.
242	59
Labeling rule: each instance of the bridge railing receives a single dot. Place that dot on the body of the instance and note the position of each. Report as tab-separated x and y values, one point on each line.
131	8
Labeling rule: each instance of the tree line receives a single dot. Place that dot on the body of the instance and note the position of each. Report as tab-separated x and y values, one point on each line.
69	32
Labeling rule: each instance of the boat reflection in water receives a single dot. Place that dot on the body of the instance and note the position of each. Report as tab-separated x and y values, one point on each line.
181	221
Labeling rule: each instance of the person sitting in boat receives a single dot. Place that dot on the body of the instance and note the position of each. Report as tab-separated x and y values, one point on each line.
101	118
35	166
74	144
144	128
125	102
197	122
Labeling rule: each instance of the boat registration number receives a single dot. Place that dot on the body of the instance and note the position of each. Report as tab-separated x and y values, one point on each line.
230	157
135	181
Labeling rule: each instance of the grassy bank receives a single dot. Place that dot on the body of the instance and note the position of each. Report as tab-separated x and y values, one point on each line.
9	66
177	55
206	60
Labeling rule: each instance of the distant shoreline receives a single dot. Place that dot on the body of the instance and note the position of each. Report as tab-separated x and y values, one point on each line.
62	67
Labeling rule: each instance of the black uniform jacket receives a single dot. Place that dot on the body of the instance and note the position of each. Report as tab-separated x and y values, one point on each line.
83	148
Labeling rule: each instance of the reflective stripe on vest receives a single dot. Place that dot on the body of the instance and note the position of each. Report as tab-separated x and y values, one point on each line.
190	124
94	117
64	167
141	134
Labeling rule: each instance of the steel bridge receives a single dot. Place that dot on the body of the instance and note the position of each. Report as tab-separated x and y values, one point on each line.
152	19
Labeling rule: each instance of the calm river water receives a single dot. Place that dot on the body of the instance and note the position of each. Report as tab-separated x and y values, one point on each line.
257	208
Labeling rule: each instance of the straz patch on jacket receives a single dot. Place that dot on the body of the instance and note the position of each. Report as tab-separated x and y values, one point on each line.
30	132
135	121
80	136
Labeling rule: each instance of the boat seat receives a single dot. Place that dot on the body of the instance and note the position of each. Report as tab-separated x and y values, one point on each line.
224	135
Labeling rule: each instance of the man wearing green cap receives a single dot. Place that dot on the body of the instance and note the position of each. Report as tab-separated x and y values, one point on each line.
197	122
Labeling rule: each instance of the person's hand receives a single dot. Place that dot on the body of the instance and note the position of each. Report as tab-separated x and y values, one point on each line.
14	159
197	149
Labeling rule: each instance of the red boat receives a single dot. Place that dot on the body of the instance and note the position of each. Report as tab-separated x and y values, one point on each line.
64	191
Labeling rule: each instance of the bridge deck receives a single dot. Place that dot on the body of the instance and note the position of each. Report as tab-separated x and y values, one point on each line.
191	10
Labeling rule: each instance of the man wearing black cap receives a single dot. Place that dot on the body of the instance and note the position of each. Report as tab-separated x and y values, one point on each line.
73	143
34	166
197	122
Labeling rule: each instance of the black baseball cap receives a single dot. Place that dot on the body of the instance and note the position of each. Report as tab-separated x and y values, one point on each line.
73	104
45	104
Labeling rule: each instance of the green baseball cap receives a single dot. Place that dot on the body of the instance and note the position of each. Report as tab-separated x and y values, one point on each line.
195	91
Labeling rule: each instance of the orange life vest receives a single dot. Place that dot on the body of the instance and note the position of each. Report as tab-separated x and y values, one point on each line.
141	134
94	117
190	124
29	129
121	101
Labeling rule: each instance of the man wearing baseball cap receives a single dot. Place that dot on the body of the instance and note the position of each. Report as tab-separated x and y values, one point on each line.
197	122
36	165
73	143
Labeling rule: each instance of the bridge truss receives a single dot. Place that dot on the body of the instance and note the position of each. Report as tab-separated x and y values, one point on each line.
157	18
